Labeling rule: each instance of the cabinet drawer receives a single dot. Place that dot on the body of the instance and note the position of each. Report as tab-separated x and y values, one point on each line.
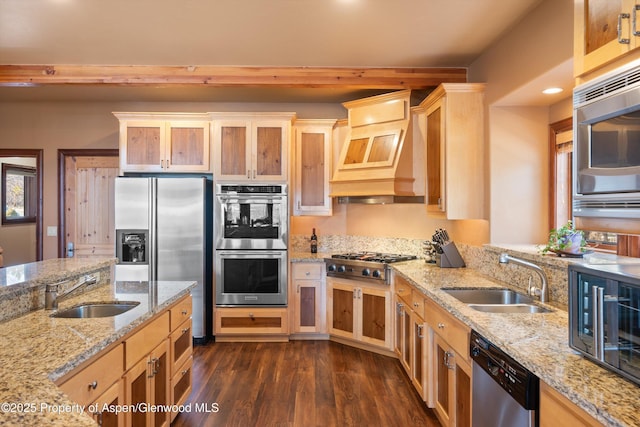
141	343
417	304
181	384
94	380
251	321
181	345
180	312
308	271
454	332
403	289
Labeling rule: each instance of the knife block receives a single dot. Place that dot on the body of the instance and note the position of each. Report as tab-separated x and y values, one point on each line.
450	257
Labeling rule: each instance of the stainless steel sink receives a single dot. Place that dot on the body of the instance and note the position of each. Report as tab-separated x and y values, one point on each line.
497	300
96	309
509	308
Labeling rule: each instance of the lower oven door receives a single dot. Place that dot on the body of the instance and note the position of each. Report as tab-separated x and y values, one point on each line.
251	278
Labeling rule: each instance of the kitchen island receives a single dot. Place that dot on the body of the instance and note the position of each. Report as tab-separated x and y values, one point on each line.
39	349
539	341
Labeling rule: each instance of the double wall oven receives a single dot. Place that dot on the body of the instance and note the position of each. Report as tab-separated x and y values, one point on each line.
251	235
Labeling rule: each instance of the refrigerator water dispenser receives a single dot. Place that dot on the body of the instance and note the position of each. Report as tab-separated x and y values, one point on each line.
132	246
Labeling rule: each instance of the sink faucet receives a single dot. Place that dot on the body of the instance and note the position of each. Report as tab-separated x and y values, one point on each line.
543	292
51	297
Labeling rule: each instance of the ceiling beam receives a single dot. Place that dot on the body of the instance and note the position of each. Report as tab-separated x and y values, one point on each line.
214	76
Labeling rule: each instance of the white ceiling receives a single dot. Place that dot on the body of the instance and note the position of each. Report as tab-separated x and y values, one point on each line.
323	33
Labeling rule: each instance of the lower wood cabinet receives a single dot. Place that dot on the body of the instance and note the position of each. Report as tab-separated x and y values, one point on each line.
450	379
254	323
360	312
151	366
557	410
308	302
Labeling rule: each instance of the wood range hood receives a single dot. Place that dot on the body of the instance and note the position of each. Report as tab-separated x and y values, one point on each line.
378	157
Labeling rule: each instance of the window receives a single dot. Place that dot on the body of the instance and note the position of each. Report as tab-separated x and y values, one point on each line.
561	198
19	194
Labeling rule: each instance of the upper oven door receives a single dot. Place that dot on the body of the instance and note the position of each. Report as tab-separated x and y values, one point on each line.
251	221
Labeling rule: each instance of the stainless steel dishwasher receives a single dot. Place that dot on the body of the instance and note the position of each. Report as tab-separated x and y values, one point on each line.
505	393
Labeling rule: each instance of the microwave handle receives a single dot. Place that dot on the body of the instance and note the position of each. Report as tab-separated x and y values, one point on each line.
598	322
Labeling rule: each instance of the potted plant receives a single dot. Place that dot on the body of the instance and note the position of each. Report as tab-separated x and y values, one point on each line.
566	240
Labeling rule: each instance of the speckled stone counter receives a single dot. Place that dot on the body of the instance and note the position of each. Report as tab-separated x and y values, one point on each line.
38	349
308	257
538	341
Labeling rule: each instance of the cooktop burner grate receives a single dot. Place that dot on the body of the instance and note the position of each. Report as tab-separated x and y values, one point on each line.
374	257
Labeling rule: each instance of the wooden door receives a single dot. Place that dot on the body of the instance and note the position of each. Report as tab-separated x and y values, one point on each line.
375	316
89	227
187	149
142	145
341	309
231	150
269	151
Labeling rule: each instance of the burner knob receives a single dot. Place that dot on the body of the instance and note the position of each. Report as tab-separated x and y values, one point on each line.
332	267
475	351
366	272
341	269
376	273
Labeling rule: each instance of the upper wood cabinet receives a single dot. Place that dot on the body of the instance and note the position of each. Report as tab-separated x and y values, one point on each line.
604	30
312	167
454	150
164	142
251	146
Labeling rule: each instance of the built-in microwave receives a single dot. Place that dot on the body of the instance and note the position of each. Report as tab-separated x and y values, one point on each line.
604	316
606	173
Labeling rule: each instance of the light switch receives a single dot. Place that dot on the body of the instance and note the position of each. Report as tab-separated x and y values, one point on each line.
52	230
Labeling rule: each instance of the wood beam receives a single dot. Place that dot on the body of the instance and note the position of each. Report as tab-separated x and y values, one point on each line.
213	76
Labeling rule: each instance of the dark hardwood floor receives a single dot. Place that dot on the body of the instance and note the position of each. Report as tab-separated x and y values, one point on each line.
300	383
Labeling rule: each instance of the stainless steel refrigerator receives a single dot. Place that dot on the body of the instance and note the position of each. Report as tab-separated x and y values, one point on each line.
163	233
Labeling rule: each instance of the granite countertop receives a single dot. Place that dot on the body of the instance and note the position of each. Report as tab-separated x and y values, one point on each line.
38	349
538	341
308	257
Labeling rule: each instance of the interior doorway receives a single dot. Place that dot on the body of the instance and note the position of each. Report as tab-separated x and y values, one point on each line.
86	199
21	240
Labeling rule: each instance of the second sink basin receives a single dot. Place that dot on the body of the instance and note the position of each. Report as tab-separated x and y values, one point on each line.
96	309
496	300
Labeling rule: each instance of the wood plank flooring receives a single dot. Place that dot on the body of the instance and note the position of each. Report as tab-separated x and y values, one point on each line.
301	383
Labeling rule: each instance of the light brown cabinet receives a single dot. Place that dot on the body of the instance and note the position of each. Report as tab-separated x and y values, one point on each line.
360	312
557	410
312	167
251	147
308	302
411	333
150	366
450	379
164	142
454	150
604	31
237	324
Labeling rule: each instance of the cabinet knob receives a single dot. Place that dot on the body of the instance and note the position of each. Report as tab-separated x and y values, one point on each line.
184	312
415	304
93	385
307	273
185	330
440	325
184	372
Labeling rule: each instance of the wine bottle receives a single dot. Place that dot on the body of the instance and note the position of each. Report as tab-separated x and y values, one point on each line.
314	242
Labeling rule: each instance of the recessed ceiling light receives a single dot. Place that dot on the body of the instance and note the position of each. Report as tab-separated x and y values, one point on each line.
552	90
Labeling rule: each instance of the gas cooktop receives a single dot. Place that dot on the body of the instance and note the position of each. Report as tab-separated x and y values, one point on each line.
363	265
374	257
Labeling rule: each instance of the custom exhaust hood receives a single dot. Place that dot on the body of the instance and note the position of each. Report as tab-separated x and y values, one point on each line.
378	158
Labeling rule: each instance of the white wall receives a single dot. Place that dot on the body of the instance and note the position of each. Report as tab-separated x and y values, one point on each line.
517	137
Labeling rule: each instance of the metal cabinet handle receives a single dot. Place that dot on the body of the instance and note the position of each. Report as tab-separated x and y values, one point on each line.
399	306
447	359
93	385
622	40
98	415
298	289
420	328
360	293
598	322
254	174
248	174
634	27
185	330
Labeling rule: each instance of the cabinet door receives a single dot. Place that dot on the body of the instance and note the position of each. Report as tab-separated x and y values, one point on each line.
443	381
418	350
435	157
187	148
604	31
269	150
160	376
181	345
308	317
312	167
374	312
142	145
341	309
114	398
232	152
398	336
557	410
137	392
406	349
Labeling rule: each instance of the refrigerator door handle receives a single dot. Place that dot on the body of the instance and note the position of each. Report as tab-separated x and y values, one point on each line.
153	234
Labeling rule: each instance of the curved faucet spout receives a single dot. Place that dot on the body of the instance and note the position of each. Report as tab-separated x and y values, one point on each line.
544	291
